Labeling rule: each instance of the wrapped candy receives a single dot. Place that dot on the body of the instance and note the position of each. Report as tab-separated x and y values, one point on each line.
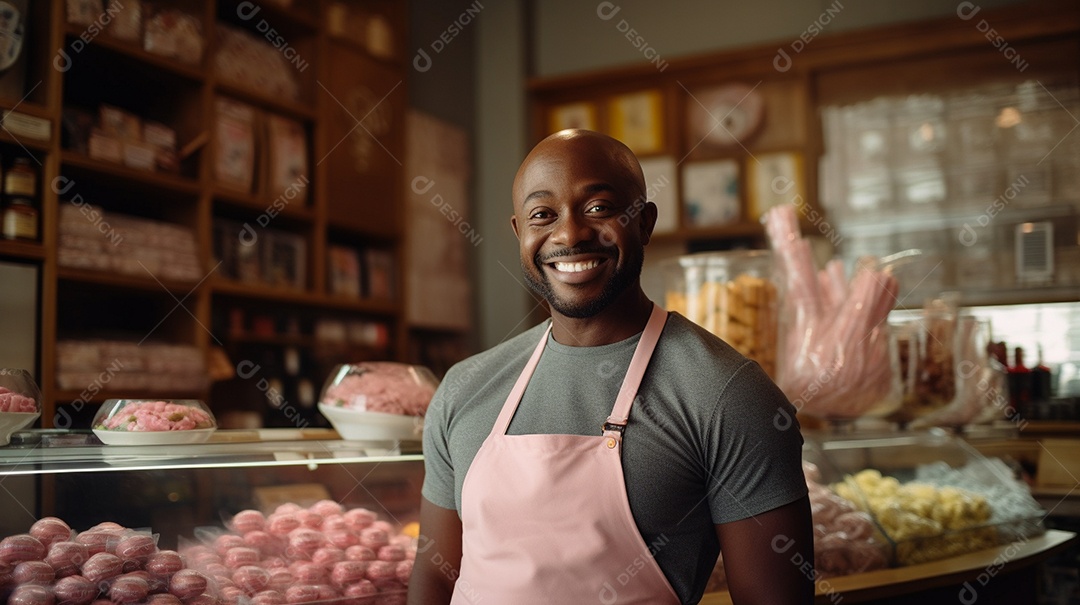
835	360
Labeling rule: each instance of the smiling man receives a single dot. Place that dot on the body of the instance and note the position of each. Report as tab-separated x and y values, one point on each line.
607	455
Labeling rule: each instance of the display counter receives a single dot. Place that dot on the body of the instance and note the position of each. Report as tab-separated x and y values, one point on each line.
1003	574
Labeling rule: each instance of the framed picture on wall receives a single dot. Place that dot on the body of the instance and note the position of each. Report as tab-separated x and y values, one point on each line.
637	119
660	188
711	193
573	115
774	179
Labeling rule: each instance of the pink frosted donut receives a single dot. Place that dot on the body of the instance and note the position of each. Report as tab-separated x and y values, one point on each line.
282	523
102	566
49	530
360	553
225	542
308	573
74	590
251	579
334	523
392	553
342	538
164	563
382	570
303	542
33	572
136	547
268	597
348	572
187	583
374	538
21	547
31	594
66	558
327	556
128	589
302	593
248	520
325	508
404	571
360	518
240	556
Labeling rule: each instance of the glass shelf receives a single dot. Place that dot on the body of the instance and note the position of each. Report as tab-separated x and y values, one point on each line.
32	458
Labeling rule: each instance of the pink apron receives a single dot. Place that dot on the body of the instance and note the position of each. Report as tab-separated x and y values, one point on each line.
545	518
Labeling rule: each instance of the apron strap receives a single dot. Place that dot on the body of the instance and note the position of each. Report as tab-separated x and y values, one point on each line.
502	423
616	422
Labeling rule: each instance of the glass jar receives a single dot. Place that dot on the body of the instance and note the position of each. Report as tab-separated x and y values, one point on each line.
20	220
731	294
20	180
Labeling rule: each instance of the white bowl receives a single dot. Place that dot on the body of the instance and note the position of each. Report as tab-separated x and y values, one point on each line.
14	421
153	437
372	426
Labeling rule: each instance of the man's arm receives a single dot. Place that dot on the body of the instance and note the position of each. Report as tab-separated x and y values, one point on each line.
769	558
438	556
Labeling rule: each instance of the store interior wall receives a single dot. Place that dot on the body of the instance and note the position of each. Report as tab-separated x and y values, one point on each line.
520	38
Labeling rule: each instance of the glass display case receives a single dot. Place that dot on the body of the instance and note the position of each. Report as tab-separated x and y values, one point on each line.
186	497
931	495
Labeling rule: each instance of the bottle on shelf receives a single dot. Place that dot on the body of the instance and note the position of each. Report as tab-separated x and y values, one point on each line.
1020	385
20	216
1040	381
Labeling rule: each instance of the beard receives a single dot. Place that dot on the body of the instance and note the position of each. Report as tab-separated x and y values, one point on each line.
624	277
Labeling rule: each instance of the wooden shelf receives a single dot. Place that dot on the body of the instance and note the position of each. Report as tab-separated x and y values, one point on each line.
127	282
277	340
21	249
162	180
275	15
287	296
291	109
134	52
355	46
736	230
295	209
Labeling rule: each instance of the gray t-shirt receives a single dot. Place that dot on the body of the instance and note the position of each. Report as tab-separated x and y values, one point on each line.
700	448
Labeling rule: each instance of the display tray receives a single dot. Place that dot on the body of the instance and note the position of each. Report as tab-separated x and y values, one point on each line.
354	425
11	422
152	437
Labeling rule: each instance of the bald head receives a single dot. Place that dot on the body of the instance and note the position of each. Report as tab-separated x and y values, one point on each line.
577	147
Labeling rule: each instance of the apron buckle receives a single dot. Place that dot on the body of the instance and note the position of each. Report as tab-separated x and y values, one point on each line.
611	426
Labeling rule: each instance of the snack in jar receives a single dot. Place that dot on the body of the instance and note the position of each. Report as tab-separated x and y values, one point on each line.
732	295
20	402
153	422
377	399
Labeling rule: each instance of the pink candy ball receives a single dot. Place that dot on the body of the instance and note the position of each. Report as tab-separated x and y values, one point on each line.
226	542
74	590
392	553
136	547
268	597
360	553
21	547
248	520
282	523
187	583
128	589
251	579
164	563
404	571
348	572
49	530
374	538
327	556
31	594
326	508
301	593
102	566
33	572
240	556
342	538
382	570
67	558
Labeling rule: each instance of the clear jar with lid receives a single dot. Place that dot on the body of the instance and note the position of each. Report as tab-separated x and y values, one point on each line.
731	294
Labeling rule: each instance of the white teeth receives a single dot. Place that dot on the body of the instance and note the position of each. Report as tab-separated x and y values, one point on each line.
575	267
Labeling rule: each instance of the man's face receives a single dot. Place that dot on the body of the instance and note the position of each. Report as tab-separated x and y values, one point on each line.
582	225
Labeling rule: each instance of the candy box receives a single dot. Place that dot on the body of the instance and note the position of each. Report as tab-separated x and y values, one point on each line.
933	495
20	402
378	400
153	422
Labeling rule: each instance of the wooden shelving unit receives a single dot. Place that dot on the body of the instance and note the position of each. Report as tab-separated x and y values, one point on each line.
106	70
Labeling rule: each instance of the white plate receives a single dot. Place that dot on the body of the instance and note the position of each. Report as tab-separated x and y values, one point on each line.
14	421
152	437
360	426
